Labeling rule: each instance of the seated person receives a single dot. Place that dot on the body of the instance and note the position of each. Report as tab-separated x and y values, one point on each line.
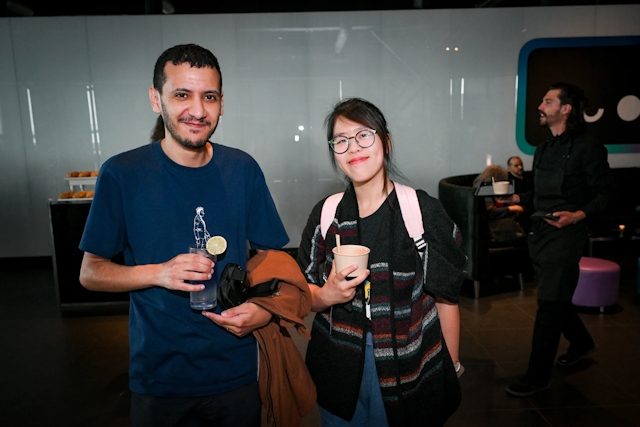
521	184
503	226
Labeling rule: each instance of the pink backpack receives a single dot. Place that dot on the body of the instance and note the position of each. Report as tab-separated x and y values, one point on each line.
409	206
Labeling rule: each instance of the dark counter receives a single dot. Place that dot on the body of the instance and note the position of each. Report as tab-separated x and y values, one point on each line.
67	220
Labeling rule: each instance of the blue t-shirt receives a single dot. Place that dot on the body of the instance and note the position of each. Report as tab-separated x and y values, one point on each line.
152	209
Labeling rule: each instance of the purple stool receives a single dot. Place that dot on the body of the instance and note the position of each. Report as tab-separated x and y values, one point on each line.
598	285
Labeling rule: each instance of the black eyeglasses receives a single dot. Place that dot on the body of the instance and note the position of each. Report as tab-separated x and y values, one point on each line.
364	138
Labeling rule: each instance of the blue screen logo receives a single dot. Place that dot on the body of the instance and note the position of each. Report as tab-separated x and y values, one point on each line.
606	68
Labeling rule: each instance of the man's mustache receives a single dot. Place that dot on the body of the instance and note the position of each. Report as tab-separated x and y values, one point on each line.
194	120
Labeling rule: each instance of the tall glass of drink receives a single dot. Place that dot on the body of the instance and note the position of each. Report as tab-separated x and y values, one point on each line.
207	298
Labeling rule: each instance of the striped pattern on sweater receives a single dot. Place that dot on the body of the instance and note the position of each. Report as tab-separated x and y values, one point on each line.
415	371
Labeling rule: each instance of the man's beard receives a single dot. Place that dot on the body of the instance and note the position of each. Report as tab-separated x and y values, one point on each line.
547	120
543	120
186	143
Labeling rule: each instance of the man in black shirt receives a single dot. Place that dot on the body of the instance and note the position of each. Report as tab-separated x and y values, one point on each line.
572	180
521	184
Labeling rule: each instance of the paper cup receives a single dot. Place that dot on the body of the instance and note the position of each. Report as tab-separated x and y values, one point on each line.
501	187
349	255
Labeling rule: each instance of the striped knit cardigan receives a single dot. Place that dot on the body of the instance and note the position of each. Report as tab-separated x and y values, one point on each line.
417	378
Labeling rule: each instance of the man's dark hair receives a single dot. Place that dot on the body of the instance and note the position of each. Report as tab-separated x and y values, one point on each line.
511	158
574	96
157	133
194	55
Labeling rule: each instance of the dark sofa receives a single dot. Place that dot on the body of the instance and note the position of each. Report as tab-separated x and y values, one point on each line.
457	197
483	256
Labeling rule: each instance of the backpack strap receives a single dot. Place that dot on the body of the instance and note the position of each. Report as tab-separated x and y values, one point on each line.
409	207
411	214
329	212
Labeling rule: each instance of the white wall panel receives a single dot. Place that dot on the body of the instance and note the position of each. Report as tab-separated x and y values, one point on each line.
622	21
570	21
122	52
14	186
52	69
281	75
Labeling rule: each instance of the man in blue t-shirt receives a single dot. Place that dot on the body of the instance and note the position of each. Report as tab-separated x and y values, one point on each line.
151	203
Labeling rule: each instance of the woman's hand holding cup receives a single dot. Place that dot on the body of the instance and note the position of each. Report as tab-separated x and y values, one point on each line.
340	288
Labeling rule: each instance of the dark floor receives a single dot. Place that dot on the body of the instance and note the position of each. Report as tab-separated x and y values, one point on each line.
70	369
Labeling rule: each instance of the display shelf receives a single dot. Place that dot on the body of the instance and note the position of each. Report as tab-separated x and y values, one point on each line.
81	182
72	200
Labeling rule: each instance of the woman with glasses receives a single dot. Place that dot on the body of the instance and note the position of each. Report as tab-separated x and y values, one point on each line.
393	367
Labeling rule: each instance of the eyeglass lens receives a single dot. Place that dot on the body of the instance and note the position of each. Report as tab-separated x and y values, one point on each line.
364	138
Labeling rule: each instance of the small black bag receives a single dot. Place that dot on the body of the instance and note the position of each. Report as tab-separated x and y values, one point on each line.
233	291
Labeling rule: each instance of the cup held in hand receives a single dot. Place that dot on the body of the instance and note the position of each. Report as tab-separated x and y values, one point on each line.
347	255
500	187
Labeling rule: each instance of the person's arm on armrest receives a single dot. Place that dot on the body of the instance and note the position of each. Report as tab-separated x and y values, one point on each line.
517	209
101	274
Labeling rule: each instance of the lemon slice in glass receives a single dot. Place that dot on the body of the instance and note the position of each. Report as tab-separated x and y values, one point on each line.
216	245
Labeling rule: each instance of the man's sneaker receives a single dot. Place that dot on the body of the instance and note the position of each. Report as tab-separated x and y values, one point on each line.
524	388
572	357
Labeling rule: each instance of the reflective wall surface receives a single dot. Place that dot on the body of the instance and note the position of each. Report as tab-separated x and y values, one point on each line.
74	91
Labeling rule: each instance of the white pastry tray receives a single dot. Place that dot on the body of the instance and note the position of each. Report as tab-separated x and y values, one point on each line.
76	200
89	180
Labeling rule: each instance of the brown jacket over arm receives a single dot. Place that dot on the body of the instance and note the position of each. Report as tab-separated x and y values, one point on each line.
286	387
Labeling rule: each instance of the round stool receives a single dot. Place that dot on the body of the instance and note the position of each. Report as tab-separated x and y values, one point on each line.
598	285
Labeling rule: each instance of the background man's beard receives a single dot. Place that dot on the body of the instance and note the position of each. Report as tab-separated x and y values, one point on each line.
544	121
550	120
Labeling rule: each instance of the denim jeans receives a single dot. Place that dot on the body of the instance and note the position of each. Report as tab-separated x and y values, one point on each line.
369	408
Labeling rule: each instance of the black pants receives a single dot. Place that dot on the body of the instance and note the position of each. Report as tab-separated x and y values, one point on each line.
237	408
556	254
552	319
